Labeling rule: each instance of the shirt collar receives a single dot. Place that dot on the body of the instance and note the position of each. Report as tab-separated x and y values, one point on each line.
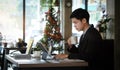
87	29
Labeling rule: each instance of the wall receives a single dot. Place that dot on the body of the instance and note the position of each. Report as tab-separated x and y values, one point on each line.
67	25
111	24
111	29
117	36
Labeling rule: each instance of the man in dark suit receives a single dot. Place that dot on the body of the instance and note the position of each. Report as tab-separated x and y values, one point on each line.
90	45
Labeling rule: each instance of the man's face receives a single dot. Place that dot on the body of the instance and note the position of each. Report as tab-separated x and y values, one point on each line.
79	25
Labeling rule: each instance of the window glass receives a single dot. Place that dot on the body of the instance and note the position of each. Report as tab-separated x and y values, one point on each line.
33	24
95	8
77	4
11	19
36	18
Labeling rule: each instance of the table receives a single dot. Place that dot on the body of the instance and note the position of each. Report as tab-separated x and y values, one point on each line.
37	64
6	51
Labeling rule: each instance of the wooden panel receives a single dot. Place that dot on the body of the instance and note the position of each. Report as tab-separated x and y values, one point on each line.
68	24
117	35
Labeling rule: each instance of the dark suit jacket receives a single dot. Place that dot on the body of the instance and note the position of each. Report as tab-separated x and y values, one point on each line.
89	49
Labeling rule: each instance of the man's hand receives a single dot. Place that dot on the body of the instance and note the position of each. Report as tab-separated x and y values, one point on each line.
61	56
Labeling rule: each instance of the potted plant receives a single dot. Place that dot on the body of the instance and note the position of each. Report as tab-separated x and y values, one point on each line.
102	24
37	51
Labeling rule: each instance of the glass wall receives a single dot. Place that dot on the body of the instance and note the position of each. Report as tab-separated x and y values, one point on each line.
77	4
33	18
36	18
95	8
11	19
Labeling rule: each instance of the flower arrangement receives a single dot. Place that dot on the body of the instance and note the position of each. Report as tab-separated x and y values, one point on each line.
52	33
102	25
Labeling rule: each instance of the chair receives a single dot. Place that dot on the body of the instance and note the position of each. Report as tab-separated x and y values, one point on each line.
108	45
1	58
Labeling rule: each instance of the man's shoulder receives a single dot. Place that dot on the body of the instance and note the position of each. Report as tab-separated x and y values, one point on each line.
92	32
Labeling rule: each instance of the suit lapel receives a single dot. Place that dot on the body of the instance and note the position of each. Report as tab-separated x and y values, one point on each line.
83	36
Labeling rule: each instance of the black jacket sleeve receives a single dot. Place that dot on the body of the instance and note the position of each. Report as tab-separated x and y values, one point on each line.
74	49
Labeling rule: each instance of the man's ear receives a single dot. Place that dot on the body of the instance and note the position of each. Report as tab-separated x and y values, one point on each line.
84	20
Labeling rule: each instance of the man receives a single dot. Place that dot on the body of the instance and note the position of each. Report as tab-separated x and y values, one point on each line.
90	45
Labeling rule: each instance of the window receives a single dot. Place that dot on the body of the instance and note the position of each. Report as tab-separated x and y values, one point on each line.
33	16
11	19
77	4
95	8
13	25
36	18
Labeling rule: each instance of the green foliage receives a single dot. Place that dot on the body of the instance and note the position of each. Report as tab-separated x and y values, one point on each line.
60	48
46	3
37	48
52	29
102	25
102	28
104	21
52	34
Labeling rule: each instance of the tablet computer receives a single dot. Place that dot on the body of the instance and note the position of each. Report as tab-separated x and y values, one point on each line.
45	54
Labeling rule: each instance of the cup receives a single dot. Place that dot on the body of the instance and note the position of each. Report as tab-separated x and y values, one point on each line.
74	40
37	54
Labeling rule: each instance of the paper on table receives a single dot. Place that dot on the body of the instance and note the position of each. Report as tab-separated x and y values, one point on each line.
53	61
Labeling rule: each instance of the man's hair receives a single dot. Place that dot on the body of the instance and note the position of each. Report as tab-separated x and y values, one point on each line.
80	14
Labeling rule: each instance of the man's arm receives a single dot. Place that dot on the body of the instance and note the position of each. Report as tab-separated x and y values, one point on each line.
72	49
